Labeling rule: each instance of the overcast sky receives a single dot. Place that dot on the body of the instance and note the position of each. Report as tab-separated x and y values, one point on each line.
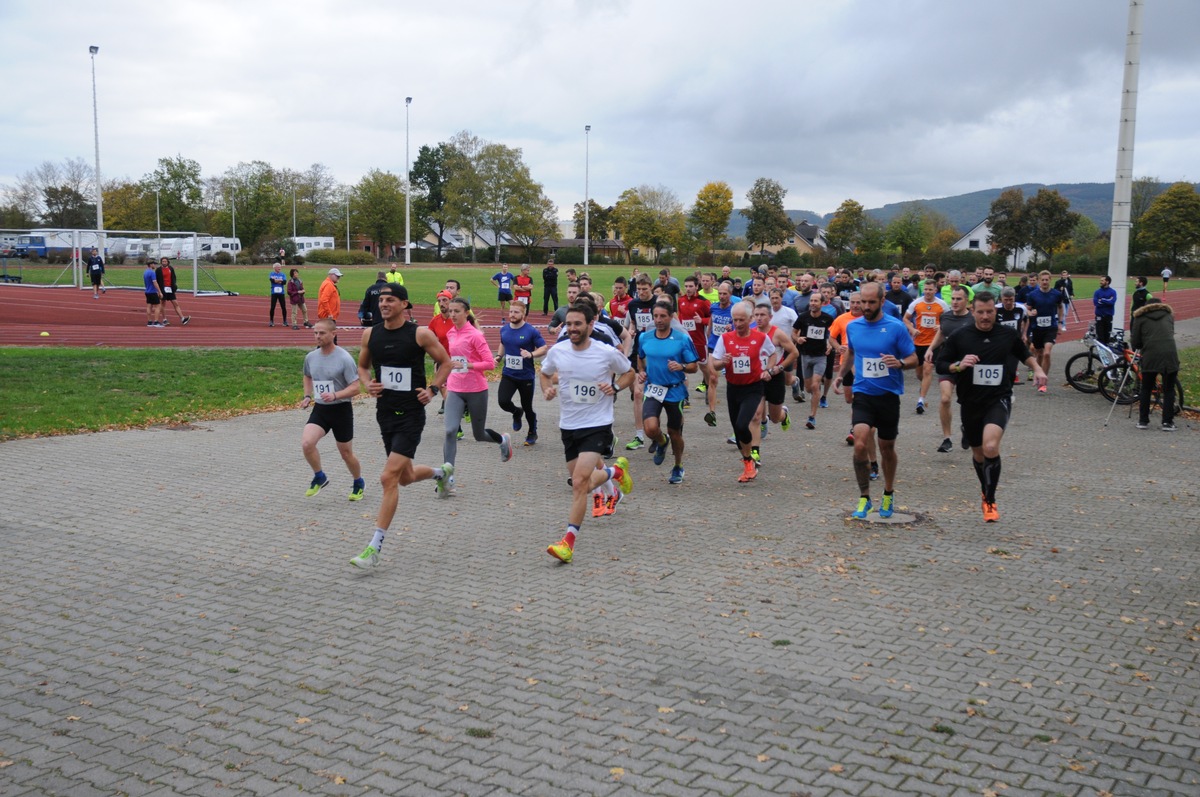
876	100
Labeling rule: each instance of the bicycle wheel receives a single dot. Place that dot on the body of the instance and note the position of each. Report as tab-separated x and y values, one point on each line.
1156	396
1118	384
1083	372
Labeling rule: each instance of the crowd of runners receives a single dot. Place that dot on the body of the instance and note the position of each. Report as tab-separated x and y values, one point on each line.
822	338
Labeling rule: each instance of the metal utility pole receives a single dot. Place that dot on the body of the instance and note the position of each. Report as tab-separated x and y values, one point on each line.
96	130
1118	247
587	153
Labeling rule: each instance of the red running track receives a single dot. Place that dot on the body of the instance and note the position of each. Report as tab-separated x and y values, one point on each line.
118	318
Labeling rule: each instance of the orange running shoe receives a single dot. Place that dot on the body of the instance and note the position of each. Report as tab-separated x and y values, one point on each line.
597	505
748	471
561	551
990	513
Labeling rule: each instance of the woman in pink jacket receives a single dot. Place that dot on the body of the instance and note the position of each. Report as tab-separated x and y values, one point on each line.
467	389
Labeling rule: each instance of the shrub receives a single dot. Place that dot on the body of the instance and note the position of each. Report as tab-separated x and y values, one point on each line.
298	260
222	258
340	257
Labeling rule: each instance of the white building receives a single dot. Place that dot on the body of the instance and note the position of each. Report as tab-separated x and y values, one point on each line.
976	240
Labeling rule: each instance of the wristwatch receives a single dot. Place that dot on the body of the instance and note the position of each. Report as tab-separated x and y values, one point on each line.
433	389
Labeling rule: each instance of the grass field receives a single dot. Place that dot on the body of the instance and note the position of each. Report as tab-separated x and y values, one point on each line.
134	388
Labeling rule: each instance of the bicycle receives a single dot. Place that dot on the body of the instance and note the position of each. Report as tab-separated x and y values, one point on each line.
1084	369
1121	383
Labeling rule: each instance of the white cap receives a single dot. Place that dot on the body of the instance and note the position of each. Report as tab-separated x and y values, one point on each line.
333	272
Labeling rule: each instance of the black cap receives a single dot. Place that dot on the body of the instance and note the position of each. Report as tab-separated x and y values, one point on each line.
392	289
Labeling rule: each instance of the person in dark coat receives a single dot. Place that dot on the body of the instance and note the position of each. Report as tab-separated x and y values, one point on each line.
1141	295
1153	334
368	311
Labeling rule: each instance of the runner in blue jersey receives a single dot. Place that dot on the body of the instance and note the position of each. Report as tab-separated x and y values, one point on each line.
664	356
1044	303
720	321
881	349
519	344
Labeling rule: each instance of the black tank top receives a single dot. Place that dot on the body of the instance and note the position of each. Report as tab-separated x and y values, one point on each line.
399	362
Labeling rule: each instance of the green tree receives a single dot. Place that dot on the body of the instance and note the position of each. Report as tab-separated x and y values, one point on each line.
1051	221
650	216
846	227
874	236
1145	191
628	218
251	190
599	220
1172	224
66	207
1084	234
1008	223
430	175
534	221
506	186
178	186
767	221
377	207
126	206
464	189
910	231
710	214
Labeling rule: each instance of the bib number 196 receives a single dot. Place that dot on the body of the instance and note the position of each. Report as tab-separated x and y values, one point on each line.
585	392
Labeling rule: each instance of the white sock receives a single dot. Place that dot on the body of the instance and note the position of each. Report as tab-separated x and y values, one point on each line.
377	540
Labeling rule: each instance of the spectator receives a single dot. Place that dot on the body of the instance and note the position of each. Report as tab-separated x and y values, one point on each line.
368	311
1153	333
329	300
391	277
295	290
549	286
1141	295
1104	302
278	289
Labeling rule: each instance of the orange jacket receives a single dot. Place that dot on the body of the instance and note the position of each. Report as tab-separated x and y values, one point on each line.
329	301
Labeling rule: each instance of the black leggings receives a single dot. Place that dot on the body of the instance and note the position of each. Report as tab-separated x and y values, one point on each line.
743	401
277	298
509	386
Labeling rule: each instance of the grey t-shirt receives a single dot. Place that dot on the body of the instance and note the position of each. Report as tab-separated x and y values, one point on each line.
951	323
334	371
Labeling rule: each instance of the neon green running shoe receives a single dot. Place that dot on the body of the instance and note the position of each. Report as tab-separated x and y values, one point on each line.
356	492
626	480
317	483
561	551
864	506
887	506
786	423
367	559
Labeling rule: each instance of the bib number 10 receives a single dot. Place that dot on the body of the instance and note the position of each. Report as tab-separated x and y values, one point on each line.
395	378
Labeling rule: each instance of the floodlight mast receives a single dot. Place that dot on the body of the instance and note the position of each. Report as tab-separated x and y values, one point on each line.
1118	249
96	130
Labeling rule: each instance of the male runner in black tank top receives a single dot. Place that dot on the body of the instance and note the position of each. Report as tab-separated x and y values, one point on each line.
391	363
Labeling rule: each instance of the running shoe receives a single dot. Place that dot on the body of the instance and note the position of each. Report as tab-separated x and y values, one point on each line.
701	388
660	451
676	475
920	406
763	430
185	320
626	480
1042	390
561	551
442	410
516	421
356	492
466	416
824	403
990	513
875	472
963	441
756	456
850	438
612	448
786	423
1030	377
597	505
295	326
811	423
460	433
367	559
946	447
610	504
887	506
731	440
505	448
1168	426
317	483
749	472
1143	424
864	506
271	324
444	476
164	323
710	418
635	444
686	404
531	438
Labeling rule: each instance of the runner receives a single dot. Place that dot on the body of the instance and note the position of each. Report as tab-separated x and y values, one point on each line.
467	388
503	280
589	374
708	287
168	284
153	297
837	334
720	321
775	390
556	324
925	316
520	343
440	325
949	323
620	299
638	319
1044	305
982	359
812	339
391	362
739	352
95	267
330	382
879	348
664	356
694	314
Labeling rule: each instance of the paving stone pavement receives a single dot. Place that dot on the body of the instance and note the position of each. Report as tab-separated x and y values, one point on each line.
176	618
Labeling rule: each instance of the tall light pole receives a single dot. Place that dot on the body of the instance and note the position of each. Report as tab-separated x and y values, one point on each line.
233	206
157	214
96	129
407	191
347	222
1118	247
587	156
293	215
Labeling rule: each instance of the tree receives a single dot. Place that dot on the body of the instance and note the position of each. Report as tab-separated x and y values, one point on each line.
846	227
377	207
535	221
320	209
260	205
506	186
628	218
28	197
66	207
710	214
464	189
126	206
598	223
1008	223
651	216
873	237
768	222
909	231
1145	191
1084	234
178	185
1050	220
429	176
1172	224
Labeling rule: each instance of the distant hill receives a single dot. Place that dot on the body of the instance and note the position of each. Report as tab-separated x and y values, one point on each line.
1093	200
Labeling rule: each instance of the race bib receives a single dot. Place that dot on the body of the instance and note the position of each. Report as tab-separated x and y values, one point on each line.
689	324
1010	324
459	365
585	392
988	375
643	320
1045	321
95	267
874	368
656	392
523	299
276	289
168	290
763	359
720	329
395	378
514	361
928	321
816	333
740	364
322	387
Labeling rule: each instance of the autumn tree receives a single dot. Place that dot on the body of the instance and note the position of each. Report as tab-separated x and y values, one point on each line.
464	188
711	211
260	205
846	227
1008	223
1051	221
1145	191
377	208
430	175
1172	224
535	220
767	221
599	220
651	216
177	185
910	231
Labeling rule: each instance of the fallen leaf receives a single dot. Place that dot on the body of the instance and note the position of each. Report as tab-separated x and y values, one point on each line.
302	720
464	707
1075	766
532	681
665	710
339	780
763	758
837	768
4	764
617	773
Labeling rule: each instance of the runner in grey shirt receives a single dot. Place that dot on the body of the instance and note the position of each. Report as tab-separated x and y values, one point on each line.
330	382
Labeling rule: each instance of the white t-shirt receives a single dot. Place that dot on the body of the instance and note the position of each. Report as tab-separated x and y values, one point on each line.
783	318
580	374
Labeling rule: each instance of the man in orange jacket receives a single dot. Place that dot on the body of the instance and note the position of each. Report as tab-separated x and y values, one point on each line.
329	301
